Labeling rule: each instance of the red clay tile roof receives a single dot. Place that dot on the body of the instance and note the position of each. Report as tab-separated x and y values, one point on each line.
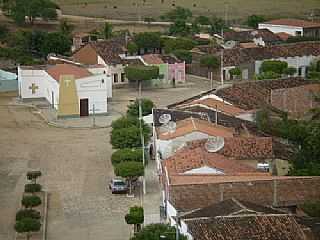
248	148
109	50
195	155
230	207
293	22
254	95
190	125
215	104
253	227
152	59
237	56
248	45
248	36
67	69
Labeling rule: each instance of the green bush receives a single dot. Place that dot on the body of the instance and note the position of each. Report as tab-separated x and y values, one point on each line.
32	187
267	75
125	122
312	208
128	137
290	71
235	72
172	44
146	107
31	201
254	20
126	154
275	66
141	73
27	213
183	55
129	169
135	215
27	225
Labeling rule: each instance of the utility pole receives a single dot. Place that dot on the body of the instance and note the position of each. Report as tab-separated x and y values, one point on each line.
142	138
94	115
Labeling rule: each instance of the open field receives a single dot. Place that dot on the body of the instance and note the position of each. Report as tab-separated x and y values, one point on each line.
139	9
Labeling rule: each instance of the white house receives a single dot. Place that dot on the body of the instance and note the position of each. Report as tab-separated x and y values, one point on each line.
71	89
294	27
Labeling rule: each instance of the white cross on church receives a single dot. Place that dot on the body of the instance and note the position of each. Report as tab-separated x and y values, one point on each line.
33	88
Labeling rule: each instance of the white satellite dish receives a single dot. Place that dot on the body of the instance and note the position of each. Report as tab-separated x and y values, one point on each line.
165	118
229	44
214	144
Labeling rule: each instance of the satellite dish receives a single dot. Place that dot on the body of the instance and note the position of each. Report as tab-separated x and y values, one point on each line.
165	118
214	144
169	127
229	44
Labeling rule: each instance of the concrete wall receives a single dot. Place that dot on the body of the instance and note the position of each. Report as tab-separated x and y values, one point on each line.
95	90
281	28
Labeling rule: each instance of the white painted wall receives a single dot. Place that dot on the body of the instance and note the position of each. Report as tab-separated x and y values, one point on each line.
95	90
296	62
281	28
46	85
259	41
184	230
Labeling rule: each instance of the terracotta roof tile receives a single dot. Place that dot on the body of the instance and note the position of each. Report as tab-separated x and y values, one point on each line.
248	36
67	69
253	227
215	104
190	125
254	95
195	155
152	59
293	22
237	56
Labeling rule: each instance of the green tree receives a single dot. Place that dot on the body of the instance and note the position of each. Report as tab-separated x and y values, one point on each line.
202	20
275	66
135	217
130	171
254	20
172	44
156	232
27	226
183	55
139	74
126	155
20	9
27	213
33	176
148	40
290	71
177	13
107	30
4	31
32	188
235	72
31	201
267	75
146	106
210	62
128	137
132	48
179	28
125	122
216	26
56	42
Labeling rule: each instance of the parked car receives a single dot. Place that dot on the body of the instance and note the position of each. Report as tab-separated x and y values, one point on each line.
118	185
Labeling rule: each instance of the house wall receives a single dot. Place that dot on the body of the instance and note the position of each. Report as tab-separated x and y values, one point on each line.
86	55
281	28
177	71
117	69
107	78
95	90
297	62
297	101
47	86
247	71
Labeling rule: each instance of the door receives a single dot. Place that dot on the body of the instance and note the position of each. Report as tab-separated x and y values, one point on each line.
52	99
84	107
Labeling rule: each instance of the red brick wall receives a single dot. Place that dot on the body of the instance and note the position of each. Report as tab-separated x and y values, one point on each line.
86	55
297	101
281	192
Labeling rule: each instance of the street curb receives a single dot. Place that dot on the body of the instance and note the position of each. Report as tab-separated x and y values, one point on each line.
54	124
45	216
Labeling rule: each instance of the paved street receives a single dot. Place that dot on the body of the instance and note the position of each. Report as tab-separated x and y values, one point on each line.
76	168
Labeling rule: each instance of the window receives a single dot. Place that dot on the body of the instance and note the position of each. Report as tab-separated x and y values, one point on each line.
115	78
123	77
298	33
300	71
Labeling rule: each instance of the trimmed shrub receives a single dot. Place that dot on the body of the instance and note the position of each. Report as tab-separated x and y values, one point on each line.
273	66
126	154
27	213
31	201
32	187
27	225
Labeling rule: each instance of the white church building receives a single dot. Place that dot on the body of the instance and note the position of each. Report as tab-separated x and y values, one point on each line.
73	90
